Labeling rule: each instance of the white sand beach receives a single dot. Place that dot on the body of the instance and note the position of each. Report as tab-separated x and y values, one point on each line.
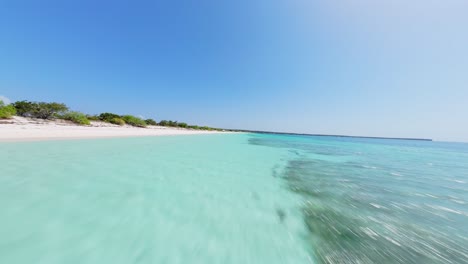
27	129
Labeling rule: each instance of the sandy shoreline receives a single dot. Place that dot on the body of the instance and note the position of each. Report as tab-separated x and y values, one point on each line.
26	129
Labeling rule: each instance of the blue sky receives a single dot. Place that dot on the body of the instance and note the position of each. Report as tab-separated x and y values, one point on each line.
375	68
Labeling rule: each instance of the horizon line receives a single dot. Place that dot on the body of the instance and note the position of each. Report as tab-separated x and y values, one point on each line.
329	135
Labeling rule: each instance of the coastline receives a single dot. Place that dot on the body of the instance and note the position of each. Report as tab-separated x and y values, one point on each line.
20	129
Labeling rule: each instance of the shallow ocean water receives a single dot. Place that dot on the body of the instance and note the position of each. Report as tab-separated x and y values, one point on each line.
234	198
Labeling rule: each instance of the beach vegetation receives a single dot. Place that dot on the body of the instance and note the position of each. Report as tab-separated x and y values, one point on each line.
76	117
117	121
163	123
108	117
168	123
49	110
6	111
93	117
134	121
24	108
183	125
40	110
151	122
45	110
122	120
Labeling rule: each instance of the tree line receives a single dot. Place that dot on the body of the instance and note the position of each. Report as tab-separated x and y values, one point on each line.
43	110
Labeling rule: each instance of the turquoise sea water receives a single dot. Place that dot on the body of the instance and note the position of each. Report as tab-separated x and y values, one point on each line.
234	198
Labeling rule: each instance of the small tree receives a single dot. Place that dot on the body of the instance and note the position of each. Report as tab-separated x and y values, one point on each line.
25	108
49	110
172	123
183	125
151	122
163	123
39	110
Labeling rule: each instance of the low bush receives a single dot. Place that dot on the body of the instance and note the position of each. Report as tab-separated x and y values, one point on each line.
6	111
76	117
107	117
117	121
183	125
151	122
134	121
93	117
168	123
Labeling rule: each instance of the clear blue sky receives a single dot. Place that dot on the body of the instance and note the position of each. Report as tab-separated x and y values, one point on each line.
376	68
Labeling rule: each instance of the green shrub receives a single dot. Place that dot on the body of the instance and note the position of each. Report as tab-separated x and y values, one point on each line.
76	117
168	123
117	121
183	125
134	121
163	123
151	122
6	111
202	127
107	117
93	117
